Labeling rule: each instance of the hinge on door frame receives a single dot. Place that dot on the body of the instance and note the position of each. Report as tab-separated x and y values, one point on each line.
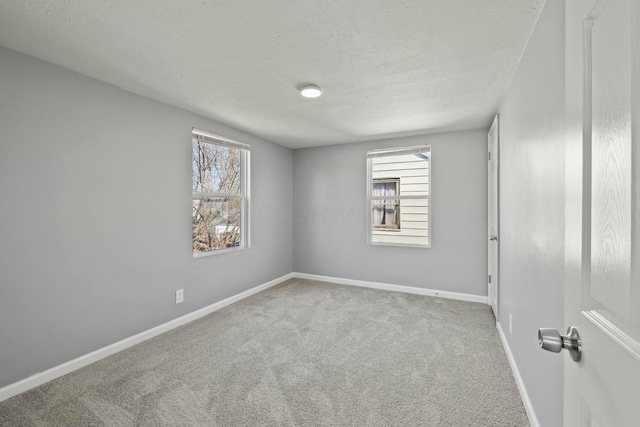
489	278
489	153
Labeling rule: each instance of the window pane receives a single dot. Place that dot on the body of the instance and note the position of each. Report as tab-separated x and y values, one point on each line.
412	227
410	170
386	214
216	224
216	168
386	187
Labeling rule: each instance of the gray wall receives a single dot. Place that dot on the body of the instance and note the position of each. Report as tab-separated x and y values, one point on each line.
95	233
330	223
532	211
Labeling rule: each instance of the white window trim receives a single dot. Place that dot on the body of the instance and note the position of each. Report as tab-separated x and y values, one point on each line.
244	196
390	152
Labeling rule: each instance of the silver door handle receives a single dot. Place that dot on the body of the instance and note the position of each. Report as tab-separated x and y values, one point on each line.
551	340
493	237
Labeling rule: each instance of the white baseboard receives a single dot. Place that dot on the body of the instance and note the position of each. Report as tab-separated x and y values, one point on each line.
82	361
395	288
528	407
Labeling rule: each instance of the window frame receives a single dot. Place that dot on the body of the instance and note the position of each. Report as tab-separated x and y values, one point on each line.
387	152
243	195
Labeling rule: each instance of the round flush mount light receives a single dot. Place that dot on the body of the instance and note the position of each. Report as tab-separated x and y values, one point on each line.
310	91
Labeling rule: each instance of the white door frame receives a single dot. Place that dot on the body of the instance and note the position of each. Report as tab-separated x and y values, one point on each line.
493	214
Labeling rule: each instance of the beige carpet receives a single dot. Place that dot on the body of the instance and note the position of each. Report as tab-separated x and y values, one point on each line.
302	353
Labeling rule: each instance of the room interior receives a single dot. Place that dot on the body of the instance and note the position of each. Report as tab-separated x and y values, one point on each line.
98	103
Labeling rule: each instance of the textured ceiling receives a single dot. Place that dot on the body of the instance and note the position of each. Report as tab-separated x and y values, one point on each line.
387	67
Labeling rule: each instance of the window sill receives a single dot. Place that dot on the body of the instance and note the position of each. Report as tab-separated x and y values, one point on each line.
401	245
219	251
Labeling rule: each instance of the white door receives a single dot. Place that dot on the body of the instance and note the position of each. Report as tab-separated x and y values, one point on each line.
602	297
492	182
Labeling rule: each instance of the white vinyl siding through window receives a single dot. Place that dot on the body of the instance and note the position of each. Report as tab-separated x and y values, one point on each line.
398	196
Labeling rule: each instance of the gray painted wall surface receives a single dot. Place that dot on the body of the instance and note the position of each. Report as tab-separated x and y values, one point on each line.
532	211
330	223
95	233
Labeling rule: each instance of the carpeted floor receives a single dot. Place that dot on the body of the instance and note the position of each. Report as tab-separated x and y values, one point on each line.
302	353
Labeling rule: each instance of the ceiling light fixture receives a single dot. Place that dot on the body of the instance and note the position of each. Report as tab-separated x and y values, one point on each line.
310	91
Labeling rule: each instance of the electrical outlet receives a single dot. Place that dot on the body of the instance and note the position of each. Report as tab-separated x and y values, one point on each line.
510	324
179	296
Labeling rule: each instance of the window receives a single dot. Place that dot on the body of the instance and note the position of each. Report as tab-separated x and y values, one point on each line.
398	195
386	213
220	172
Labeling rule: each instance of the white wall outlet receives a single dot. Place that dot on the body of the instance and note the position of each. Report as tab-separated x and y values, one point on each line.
511	324
179	296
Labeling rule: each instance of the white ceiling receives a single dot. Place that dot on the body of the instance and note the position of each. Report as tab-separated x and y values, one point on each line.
387	67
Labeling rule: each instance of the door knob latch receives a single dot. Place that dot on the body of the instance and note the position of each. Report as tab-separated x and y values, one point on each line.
551	340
